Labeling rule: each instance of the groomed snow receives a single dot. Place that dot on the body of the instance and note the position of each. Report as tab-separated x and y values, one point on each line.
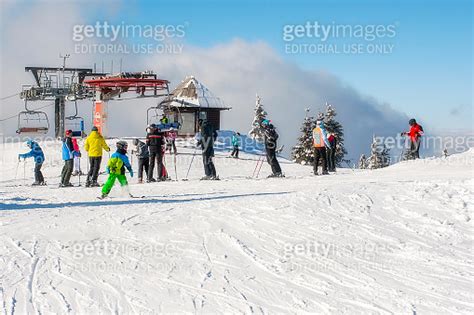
396	240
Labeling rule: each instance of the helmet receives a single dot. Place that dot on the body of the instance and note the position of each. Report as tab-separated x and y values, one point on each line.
412	121
94	128
29	143
121	144
68	132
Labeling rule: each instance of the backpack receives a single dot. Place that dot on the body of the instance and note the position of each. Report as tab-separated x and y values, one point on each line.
115	165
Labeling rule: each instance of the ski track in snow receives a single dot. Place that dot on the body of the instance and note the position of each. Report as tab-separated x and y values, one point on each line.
397	240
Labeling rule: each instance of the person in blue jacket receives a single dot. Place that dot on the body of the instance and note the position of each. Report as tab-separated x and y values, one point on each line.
68	158
37	154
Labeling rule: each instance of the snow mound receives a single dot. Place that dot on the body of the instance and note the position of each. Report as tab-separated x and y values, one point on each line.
393	240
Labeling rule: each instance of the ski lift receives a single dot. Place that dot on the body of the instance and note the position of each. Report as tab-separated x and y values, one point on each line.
32	121
154	117
75	123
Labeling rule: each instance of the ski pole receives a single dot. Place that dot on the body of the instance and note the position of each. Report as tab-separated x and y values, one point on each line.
16	171
256	166
190	164
260	167
24	172
175	168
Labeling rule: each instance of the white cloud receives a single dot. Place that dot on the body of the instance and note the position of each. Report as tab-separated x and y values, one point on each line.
235	71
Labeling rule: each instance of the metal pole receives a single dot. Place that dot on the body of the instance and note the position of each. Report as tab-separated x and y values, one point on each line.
190	164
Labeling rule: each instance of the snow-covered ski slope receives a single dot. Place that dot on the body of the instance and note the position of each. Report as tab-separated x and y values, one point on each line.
396	240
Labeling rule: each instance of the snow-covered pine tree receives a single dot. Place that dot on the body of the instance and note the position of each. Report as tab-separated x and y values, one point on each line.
379	155
333	126
303	150
257	131
362	162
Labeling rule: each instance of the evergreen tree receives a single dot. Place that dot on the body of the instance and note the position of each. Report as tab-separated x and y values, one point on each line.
257	131
303	150
362	162
380	155
333	126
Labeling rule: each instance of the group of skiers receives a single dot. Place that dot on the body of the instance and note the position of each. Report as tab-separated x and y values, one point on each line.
151	153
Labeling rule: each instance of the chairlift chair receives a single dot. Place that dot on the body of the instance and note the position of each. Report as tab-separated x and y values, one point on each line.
32	121
75	123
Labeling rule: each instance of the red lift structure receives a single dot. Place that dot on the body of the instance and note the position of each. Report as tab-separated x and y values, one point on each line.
105	88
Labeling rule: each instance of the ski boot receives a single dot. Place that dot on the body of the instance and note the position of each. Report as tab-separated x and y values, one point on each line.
95	184
103	196
151	180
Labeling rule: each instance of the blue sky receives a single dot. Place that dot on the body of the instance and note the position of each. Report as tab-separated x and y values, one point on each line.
428	74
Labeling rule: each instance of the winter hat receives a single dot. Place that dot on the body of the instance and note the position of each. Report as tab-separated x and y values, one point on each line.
412	121
94	128
29	143
68	132
319	122
121	145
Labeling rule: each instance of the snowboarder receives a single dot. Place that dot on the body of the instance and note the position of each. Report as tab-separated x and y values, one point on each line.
208	136
235	144
143	156
94	145
37	154
331	152
68	158
171	136
77	158
415	133
270	139
116	168
320	143
155	141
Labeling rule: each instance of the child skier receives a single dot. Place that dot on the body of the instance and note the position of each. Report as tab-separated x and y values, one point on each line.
235	144
37	154
171	136
116	168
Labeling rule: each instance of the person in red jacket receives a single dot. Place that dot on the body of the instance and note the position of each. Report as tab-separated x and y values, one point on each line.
415	133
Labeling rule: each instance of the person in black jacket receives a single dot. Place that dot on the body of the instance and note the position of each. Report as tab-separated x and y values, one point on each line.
155	140
208	136
143	156
271	137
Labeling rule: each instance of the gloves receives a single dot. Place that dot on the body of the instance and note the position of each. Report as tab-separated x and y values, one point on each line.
131	172
19	157
403	133
107	170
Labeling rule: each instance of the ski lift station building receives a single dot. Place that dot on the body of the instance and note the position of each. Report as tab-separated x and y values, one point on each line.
191	101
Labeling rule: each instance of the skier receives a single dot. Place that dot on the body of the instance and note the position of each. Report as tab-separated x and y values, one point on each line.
415	133
320	142
155	141
270	139
68	158
143	156
171	136
77	158
37	154
331	152
116	168
94	145
164	120
208	136
235	144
